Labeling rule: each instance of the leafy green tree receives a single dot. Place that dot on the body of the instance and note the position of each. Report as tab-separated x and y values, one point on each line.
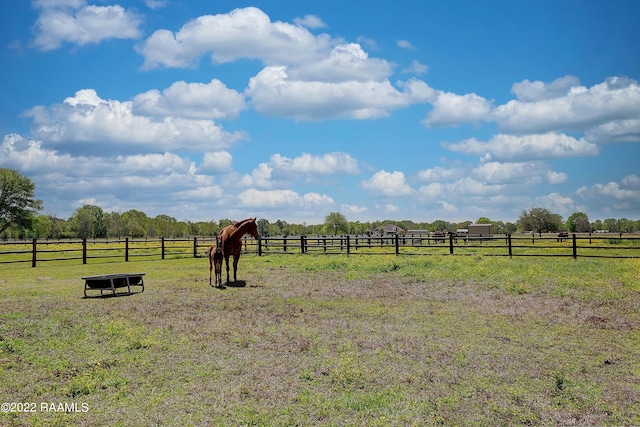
611	224
625	225
596	225
114	225
42	226
484	220
578	222
296	229
182	229
274	229
439	225
464	224
263	226
135	223
539	220
89	221
205	228
509	228
59	227
164	225
358	228
17	203
335	222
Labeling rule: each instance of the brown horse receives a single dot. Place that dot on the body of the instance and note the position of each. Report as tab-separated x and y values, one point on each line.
231	237
216	255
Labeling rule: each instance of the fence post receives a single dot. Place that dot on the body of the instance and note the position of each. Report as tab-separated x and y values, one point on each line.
34	251
126	249
195	247
451	244
348	245
301	244
509	243
162	244
397	244
575	248
259	246
84	250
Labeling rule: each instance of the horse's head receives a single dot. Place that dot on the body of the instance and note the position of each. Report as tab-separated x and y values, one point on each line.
252	228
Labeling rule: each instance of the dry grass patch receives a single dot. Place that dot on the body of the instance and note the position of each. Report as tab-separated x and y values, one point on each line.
328	340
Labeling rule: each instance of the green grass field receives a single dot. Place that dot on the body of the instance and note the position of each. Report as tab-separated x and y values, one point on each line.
325	340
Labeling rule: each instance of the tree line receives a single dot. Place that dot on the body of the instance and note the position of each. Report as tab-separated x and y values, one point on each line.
92	222
20	218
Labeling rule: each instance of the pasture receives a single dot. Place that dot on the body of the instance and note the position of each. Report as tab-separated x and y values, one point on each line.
326	340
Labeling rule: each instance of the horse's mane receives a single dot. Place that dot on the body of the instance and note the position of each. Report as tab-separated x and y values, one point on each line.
235	227
239	223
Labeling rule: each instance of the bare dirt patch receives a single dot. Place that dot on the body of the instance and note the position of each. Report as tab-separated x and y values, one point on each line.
320	346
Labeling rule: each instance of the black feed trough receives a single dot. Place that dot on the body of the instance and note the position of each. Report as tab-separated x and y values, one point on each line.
110	283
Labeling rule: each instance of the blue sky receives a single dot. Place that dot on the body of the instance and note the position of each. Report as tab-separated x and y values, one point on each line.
204	110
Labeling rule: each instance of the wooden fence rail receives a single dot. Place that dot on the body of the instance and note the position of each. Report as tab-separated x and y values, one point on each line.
608	246
549	245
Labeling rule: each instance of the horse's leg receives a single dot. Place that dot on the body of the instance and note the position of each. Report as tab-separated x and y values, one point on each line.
210	265
218	263
236	258
217	272
226	259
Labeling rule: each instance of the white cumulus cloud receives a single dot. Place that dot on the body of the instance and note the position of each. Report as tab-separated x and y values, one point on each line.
75	22
277	198
615	131
387	184
527	91
29	156
328	164
580	109
439	173
217	161
526	147
88	123
517	172
623	195
241	33
310	21
450	109
211	100
274	93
